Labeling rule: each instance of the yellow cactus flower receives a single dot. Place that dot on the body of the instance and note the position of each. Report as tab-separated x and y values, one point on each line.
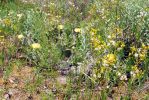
20	36
77	30
60	27
35	46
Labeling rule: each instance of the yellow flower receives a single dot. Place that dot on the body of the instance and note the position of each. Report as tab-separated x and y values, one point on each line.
20	36
93	32
35	46
119	31
144	46
118	73
95	42
7	22
1	38
60	27
102	70
111	59
133	49
134	68
77	30
117	17
123	44
142	56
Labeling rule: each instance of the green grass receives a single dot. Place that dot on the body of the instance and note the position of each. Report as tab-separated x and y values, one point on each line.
107	43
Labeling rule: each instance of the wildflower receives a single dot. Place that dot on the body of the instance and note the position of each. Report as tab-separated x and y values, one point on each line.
102	69
108	44
111	58
108	87
109	36
105	62
134	68
137	71
93	32
7	22
118	49
133	74
142	56
122	45
133	49
117	17
113	42
123	77
52	3
136	55
99	75
1	38
144	46
60	27
19	16
10	13
35	46
119	74
94	75
20	36
77	30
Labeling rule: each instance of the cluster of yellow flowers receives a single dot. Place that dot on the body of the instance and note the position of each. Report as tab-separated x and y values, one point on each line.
139	53
109	59
135	72
96	40
143	52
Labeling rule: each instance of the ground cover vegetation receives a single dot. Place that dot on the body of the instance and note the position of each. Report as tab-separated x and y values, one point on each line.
74	50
